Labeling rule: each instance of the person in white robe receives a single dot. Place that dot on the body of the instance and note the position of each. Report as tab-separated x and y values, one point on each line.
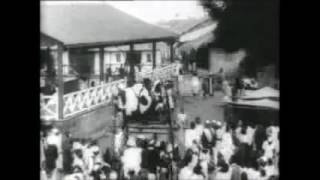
195	85
119	138
269	146
227	91
131	104
226	146
131	158
190	135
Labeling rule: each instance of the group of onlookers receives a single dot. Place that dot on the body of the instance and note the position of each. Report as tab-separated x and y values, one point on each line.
66	158
216	150
212	150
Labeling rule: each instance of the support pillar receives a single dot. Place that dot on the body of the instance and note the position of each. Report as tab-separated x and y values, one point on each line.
210	86
101	57
131	60
154	47
171	52
96	63
65	62
60	82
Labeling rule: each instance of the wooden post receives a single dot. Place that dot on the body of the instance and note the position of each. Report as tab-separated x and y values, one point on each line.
210	85
154	47
60	82
65	62
101	57
171	52
131	62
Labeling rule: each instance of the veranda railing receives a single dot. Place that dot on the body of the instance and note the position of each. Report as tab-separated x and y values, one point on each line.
90	98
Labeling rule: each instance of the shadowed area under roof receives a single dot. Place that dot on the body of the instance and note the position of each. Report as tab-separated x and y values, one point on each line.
95	23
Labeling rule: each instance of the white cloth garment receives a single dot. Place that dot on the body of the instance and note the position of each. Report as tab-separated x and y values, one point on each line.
268	146
204	161
78	162
223	175
119	137
207	132
190	136
199	131
225	146
75	176
251	173
131	104
87	158
246	138
271	170
195	84
185	173
131	160
170	98
181	118
274	136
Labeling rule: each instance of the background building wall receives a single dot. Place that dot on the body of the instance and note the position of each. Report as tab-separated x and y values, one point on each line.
228	61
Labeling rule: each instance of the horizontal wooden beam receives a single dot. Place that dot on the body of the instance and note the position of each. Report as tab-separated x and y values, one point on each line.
117	43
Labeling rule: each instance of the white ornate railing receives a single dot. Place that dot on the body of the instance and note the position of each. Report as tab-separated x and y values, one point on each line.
164	73
49	107
88	98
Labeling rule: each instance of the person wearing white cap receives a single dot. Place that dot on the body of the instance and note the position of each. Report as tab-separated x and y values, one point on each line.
131	158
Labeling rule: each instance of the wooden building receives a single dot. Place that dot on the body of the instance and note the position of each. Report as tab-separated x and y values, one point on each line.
84	41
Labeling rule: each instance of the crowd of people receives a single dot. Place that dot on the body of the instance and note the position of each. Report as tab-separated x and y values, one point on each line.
67	158
212	151
217	150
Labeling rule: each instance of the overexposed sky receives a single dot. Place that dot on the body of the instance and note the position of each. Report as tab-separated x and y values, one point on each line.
152	11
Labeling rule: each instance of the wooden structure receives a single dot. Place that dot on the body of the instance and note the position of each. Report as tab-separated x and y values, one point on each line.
97	31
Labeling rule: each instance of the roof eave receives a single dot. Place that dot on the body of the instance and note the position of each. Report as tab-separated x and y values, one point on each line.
117	43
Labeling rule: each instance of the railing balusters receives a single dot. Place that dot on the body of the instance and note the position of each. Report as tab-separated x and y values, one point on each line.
86	99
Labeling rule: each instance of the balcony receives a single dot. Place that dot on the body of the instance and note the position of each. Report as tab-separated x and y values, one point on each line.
88	99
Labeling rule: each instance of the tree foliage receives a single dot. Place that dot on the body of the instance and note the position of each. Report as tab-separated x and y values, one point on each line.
249	24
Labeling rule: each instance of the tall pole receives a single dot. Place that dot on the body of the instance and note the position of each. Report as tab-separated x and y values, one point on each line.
171	52
60	82
154	47
171	131
131	60
101	57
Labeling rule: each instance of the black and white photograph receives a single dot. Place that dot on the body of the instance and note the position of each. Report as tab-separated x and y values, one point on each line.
159	90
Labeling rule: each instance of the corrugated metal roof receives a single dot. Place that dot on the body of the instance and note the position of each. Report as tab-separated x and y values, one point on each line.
93	23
